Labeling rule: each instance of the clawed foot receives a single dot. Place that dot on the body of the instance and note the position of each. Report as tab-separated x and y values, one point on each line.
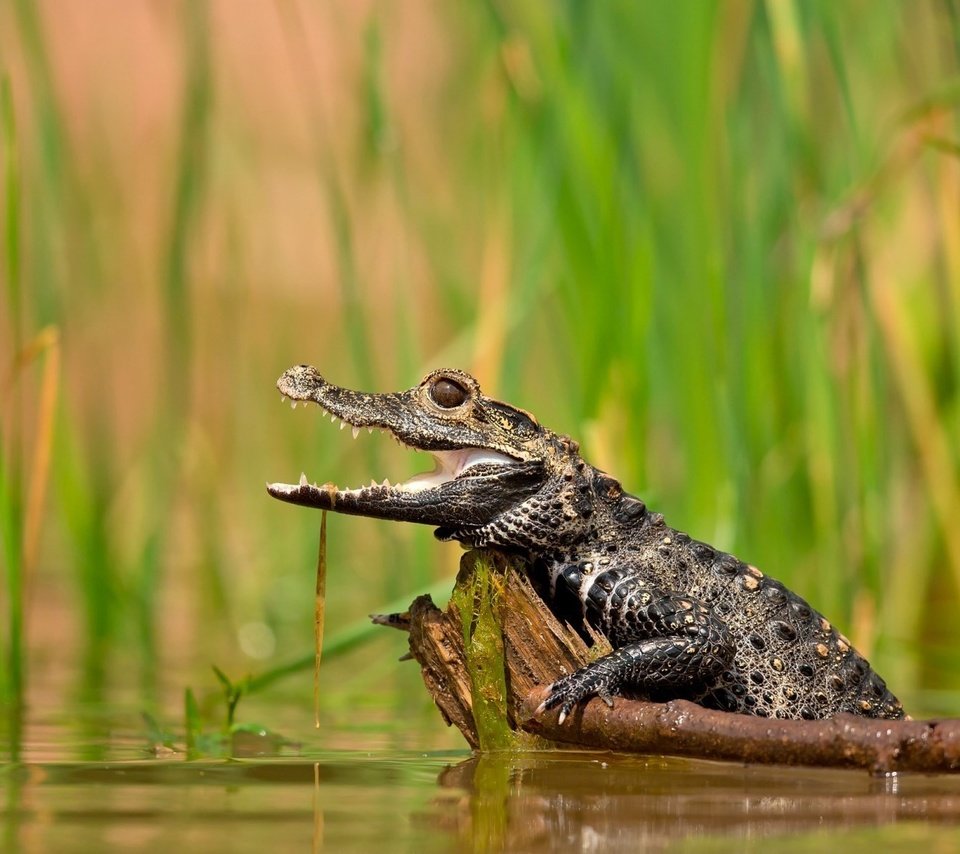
574	689
657	663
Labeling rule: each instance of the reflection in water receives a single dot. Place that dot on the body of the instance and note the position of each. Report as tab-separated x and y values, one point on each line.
549	801
610	802
317	810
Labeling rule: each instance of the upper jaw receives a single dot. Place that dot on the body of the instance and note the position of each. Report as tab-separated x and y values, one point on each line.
303	383
400	415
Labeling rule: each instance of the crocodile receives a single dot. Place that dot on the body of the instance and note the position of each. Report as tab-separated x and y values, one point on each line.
684	620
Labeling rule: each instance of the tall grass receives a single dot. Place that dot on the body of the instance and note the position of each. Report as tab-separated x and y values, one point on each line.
11	475
719	243
730	200
22	487
177	368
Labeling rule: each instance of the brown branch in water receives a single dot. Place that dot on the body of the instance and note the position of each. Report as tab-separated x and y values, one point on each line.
681	728
538	649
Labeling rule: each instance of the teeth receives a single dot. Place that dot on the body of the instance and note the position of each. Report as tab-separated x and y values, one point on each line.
355	431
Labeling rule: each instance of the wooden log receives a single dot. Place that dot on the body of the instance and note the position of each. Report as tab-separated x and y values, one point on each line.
537	649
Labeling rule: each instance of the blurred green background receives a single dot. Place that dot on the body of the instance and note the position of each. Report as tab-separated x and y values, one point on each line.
717	242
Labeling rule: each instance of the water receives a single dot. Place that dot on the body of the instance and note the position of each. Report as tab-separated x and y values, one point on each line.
303	799
383	771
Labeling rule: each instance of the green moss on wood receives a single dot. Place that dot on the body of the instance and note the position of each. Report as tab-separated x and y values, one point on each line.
477	597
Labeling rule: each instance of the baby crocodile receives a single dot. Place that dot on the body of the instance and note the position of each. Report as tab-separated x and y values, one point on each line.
685	620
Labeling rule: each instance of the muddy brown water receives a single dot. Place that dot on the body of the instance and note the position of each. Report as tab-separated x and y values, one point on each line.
303	798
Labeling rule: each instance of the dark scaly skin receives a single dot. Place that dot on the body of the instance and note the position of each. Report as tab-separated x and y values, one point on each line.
684	619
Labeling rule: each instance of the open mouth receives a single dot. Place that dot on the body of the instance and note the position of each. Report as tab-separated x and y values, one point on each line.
449	465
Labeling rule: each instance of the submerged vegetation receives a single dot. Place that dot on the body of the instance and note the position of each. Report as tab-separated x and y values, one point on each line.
718	243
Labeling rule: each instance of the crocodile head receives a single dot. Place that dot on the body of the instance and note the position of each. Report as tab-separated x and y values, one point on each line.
499	478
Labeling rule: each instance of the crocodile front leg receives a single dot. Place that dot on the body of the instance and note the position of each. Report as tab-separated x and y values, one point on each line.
662	641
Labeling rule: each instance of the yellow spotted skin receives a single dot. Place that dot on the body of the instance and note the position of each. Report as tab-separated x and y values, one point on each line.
763	650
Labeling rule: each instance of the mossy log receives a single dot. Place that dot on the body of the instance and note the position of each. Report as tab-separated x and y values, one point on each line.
488	658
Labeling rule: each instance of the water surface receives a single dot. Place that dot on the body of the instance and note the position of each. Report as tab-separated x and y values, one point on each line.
301	798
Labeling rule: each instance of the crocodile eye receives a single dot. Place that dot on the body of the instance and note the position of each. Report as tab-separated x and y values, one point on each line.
448	394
